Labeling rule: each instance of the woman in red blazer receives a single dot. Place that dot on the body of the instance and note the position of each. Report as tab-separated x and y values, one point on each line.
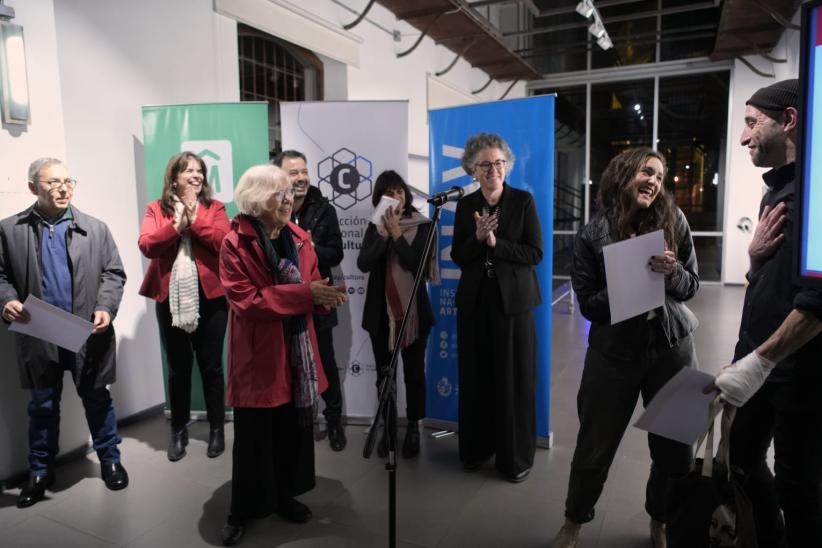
181	234
269	272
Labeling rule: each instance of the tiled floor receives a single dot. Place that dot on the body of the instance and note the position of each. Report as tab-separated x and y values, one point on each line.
185	503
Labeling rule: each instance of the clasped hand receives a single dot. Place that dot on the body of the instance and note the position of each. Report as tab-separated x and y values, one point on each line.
390	226
327	296
188	216
486	225
664	264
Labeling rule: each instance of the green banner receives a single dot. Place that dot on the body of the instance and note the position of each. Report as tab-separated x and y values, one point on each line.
230	137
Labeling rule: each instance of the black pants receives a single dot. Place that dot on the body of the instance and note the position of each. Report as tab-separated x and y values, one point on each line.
413	368
273	459
497	380
789	414
607	396
333	394
206	343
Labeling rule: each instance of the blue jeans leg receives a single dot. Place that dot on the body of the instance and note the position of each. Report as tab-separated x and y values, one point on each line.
44	429
102	423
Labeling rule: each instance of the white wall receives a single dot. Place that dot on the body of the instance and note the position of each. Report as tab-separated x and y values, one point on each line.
92	66
19	145
745	186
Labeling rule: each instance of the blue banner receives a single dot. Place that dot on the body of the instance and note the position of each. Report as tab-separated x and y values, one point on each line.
528	127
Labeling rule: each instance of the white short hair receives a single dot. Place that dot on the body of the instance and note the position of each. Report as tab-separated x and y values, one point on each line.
256	186
40	164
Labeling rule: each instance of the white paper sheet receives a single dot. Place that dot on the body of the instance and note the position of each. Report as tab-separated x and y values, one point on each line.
384	203
53	325
633	288
679	411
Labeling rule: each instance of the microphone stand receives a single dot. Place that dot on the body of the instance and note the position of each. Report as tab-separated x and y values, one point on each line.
387	408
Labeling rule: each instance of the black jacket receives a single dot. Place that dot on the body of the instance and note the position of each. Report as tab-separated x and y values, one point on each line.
372	258
516	255
771	293
621	341
319	217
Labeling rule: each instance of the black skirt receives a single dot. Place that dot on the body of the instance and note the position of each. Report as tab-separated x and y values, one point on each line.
273	459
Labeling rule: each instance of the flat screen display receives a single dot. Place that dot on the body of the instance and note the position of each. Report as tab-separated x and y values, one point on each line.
810	153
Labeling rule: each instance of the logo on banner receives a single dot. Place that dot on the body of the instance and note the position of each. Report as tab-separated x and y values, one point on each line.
355	368
444	387
348	175
219	165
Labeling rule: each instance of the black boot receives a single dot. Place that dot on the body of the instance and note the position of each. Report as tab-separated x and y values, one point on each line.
336	434
411	445
35	490
177	444
233	531
216	442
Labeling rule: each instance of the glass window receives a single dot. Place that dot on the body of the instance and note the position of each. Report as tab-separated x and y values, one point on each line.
622	116
274	71
569	172
634	44
688	34
693	116
709	257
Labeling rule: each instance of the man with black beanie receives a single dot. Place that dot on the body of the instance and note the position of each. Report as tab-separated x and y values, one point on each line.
776	376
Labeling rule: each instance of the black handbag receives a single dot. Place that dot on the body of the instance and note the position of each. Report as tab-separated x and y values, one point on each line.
708	508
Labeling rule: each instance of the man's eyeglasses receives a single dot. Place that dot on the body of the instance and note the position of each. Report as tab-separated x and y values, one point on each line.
280	194
55	184
488	166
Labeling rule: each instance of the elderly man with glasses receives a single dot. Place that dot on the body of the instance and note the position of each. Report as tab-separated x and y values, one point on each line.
68	259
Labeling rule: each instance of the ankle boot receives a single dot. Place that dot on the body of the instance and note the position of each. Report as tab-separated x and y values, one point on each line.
336	434
177	444
411	445
568	535
216	442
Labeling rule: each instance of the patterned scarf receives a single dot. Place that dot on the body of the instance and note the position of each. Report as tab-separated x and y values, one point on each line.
184	286
285	270
399	283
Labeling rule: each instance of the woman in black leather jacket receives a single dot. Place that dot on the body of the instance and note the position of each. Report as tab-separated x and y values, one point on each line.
636	356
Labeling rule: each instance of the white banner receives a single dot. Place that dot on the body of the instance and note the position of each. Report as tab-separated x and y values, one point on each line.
348	144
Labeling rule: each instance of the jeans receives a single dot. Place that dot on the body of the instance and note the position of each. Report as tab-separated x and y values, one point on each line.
44	422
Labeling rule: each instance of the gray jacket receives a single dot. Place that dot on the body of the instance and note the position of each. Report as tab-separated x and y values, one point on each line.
97	280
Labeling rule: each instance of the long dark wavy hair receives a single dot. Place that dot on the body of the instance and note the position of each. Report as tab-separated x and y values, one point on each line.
176	164
617	200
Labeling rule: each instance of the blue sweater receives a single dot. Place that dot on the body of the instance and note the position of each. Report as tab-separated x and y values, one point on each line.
56	283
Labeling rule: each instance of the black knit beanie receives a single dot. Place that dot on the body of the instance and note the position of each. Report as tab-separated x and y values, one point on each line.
776	97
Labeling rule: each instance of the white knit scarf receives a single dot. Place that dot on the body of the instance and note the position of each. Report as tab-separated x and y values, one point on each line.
183	288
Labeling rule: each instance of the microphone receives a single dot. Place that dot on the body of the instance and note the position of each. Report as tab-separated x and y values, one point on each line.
452	194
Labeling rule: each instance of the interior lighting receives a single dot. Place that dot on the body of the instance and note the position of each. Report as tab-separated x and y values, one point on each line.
585	8
597	29
605	42
14	89
637	107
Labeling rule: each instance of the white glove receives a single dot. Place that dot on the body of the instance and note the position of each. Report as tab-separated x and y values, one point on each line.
740	380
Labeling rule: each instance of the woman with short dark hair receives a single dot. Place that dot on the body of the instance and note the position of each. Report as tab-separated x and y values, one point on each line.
390	254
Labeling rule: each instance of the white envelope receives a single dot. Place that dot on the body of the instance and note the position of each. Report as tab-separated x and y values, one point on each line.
384	203
53	325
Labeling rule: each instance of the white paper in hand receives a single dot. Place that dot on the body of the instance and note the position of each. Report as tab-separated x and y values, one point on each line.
53	325
382	206
633	288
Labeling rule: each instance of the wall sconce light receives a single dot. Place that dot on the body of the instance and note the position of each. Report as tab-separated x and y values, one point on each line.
585	8
14	89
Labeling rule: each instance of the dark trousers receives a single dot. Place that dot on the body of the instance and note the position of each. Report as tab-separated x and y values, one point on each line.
790	415
206	343
333	394
413	368
44	422
497	380
607	396
273	459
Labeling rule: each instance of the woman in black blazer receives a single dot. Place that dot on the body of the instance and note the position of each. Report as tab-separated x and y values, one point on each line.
497	244
390	253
